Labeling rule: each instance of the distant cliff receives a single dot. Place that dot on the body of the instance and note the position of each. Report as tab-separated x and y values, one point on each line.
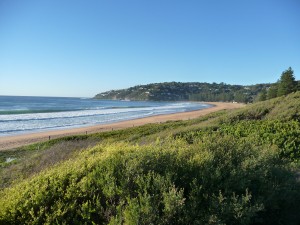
194	91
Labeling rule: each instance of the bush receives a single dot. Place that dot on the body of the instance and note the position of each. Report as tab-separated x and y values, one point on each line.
217	181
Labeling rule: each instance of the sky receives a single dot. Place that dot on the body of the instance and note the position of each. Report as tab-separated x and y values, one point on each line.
77	48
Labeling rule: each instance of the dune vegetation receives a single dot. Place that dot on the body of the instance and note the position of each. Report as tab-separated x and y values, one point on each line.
230	167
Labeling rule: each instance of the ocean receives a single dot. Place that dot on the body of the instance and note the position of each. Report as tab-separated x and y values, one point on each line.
20	114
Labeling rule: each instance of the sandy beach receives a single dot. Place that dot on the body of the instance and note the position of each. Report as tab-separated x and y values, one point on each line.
10	142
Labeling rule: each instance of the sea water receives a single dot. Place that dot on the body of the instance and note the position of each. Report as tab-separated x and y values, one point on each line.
33	114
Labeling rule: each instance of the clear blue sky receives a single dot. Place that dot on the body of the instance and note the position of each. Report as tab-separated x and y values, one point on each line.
81	48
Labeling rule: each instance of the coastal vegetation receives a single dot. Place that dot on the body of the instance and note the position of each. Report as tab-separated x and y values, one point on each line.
285	85
230	167
195	91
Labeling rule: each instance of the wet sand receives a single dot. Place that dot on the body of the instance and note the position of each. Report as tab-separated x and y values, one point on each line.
10	142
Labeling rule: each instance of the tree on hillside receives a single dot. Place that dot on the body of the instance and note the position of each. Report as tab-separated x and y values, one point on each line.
239	96
262	96
287	83
272	92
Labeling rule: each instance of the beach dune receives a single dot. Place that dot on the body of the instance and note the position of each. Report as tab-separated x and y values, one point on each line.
11	142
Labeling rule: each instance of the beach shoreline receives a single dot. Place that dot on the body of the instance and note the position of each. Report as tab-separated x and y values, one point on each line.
11	142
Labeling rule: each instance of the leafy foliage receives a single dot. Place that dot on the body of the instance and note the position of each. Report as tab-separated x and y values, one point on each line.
287	83
272	92
284	86
222	181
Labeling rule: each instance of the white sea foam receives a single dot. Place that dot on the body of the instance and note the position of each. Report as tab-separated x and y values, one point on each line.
32	122
84	113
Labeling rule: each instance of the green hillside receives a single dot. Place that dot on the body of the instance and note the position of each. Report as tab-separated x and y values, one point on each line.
194	91
230	167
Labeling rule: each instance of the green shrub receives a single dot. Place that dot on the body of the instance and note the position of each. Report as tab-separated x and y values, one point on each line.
218	180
